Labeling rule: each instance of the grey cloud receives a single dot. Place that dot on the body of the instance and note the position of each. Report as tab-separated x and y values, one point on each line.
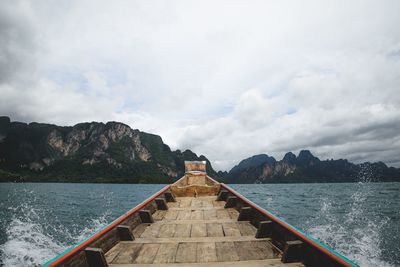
164	68
17	43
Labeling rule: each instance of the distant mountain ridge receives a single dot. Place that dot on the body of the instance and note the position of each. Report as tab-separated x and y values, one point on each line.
88	152
306	168
112	152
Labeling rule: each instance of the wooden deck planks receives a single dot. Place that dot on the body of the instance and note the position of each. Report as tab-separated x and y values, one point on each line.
210	214
128	253
226	251
214	229
184	215
194	231
139	229
151	231
206	252
197	215
186	252
198	230
223	214
253	263
254	250
159	215
171	215
167	230
147	253
166	253
246	229
183	230
231	229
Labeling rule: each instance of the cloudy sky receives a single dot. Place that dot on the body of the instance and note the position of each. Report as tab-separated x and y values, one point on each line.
227	79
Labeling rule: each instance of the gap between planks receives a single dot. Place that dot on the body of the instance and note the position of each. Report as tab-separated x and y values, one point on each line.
253	263
194	239
200	221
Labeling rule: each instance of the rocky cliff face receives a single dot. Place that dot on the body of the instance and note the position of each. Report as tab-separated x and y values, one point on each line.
307	168
89	151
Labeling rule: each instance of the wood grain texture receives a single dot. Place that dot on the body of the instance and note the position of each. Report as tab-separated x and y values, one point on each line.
206	252
147	253
186	252
166	253
226	251
198	230
214	230
231	229
167	230
183	230
128	253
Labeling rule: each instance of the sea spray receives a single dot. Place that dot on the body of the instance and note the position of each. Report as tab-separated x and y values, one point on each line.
359	220
350	229
31	240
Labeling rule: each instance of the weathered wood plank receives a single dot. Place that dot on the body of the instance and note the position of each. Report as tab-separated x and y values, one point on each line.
206	252
246	229
199	208
151	231
226	251
167	230
210	214
159	215
219	203
254	250
214	230
113	253
255	263
198	230
198	221
196	215
184	215
186	252
234	214
173	204
223	214
171	215
231	229
194	239
207	203
185	202
147	253
196	203
128	253
166	253
183	230
138	230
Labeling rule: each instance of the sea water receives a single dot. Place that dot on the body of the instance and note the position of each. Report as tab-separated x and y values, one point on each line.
359	220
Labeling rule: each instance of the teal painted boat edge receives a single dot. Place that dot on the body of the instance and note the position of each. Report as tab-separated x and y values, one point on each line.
295	229
68	250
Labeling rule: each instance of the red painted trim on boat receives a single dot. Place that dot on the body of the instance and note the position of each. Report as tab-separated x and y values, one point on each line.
289	228
64	258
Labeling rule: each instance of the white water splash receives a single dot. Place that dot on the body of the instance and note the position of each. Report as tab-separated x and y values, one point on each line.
29	242
353	234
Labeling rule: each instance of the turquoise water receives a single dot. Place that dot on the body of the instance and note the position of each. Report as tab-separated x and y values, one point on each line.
362	221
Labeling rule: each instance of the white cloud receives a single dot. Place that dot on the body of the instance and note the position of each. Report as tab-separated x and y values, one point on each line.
227	79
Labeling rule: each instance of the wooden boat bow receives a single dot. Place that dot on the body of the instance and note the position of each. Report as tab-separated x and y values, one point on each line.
199	222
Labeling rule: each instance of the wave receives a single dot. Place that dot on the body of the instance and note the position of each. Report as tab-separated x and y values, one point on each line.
353	233
31	241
